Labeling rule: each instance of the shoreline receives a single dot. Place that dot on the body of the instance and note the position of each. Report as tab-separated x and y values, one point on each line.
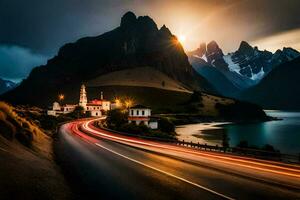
215	124
204	133
276	132
207	127
185	119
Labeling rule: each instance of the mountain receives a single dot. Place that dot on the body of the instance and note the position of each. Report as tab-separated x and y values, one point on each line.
245	67
6	85
137	42
135	61
254	64
279	89
222	84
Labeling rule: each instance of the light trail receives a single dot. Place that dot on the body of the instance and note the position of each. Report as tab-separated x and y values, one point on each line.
199	173
166	173
255	165
74	129
226	160
244	159
3	149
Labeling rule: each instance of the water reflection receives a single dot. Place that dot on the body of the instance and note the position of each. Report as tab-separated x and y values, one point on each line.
283	135
209	133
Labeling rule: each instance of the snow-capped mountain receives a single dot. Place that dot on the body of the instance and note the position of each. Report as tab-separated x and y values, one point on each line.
244	67
255	64
6	85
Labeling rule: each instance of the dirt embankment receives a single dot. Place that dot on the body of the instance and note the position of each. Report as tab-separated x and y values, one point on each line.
27	169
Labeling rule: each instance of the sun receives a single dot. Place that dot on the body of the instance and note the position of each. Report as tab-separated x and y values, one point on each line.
181	39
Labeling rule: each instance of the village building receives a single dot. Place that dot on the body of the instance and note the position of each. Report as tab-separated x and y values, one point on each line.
94	107
57	109
140	114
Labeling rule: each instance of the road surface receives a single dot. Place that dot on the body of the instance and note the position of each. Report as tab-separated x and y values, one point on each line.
109	166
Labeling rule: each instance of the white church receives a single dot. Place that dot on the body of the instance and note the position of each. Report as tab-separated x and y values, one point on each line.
94	107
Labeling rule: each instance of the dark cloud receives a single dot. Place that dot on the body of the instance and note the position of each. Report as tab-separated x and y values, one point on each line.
16	62
45	25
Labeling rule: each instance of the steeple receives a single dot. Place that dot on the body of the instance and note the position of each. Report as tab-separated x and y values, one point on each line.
101	96
83	96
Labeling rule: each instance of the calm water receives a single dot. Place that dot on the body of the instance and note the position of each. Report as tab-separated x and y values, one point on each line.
284	135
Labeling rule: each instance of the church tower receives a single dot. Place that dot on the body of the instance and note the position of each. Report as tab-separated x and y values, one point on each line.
83	97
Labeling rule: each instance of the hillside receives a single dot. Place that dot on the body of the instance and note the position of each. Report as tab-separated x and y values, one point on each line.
222	84
279	89
198	103
137	42
27	169
14	126
139	76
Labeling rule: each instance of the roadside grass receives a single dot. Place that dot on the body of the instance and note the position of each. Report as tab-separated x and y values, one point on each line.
13	126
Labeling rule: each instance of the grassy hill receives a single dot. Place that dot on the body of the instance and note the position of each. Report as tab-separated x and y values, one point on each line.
139	76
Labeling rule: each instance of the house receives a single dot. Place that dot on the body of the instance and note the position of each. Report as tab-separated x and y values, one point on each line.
140	114
94	107
57	109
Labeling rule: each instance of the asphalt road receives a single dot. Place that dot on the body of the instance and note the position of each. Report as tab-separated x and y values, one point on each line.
109	166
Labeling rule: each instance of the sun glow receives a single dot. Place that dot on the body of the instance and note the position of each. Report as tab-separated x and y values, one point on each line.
181	39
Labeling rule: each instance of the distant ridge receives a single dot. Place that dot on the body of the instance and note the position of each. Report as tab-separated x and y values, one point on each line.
6	85
244	68
279	89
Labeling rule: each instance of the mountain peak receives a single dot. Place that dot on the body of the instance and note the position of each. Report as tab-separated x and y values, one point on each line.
290	53
213	43
164	28
128	19
147	23
289	49
165	31
6	85
245	45
245	48
213	48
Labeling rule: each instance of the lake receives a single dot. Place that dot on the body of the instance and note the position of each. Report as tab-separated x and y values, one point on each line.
283	135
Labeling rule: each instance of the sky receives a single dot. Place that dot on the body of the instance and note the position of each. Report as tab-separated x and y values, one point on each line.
32	31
